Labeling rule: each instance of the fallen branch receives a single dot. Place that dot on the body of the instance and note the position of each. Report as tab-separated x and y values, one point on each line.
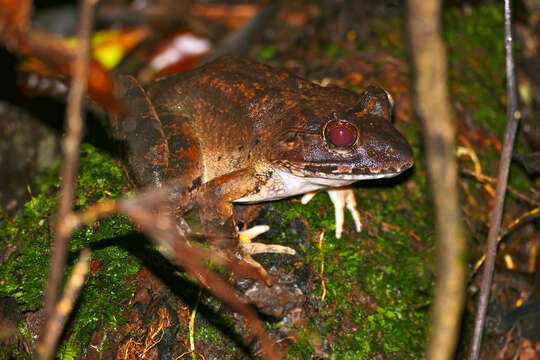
144	209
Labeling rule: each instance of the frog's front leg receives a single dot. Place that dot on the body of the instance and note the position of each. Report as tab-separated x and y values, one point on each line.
215	200
341	198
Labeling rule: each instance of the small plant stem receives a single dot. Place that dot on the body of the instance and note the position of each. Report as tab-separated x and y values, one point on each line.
500	191
192	326
71	146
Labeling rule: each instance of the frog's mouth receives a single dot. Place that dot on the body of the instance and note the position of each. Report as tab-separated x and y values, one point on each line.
337	172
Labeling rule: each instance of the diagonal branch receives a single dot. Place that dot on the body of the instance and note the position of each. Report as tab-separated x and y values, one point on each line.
149	210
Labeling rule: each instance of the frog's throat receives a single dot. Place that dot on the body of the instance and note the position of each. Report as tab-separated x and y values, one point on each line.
283	183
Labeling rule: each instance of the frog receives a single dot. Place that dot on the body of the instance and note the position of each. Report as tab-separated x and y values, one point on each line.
239	132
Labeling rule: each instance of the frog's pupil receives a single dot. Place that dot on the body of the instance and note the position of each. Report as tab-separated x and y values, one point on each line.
341	136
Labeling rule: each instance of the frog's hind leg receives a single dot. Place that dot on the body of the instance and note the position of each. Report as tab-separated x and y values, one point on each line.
140	135
185	157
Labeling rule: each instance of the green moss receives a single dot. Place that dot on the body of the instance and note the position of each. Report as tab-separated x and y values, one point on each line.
303	347
24	274
68	350
213	329
206	333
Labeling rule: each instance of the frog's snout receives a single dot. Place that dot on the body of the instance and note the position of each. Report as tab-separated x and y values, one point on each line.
369	146
390	153
405	159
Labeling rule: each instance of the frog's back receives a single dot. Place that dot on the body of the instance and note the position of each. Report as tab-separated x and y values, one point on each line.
234	108
240	87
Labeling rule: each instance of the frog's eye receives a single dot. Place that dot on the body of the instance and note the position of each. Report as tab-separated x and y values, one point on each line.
340	134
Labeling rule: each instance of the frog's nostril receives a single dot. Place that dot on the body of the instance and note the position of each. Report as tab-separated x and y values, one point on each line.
340	133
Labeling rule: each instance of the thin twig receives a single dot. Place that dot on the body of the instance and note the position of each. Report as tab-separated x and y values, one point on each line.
469	151
71	145
482	177
502	179
192	326
394	226
527	216
53	328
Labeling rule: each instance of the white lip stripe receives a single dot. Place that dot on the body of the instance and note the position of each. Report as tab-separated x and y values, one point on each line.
342	176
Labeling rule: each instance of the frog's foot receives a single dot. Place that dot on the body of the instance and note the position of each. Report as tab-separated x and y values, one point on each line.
340	198
248	248
251	248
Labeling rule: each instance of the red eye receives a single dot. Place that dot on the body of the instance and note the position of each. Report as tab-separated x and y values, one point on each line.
340	134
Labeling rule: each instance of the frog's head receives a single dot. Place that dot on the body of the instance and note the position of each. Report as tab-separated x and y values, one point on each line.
359	143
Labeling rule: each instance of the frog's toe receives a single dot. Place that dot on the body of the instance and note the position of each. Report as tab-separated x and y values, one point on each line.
253	232
308	196
341	198
250	248
350	202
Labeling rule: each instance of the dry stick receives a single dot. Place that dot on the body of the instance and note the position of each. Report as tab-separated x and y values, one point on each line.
482	178
71	146
525	217
496	216
53	329
323	283
142	210
433	106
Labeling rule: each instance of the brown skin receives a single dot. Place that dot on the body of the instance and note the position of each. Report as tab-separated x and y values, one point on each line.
227	127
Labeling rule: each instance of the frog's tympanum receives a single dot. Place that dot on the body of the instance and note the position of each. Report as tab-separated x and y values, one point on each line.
244	132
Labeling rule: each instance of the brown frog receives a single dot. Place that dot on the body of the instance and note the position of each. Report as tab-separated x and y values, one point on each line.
243	132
